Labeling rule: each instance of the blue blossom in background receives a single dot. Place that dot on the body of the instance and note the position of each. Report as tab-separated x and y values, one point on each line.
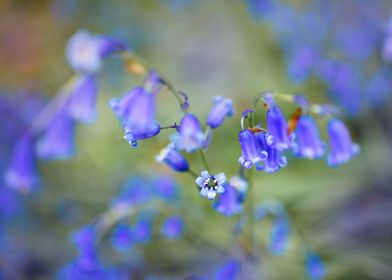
84	240
122	237
341	147
136	112
135	191
308	142
222	108
191	136
277	128
229	270
315	267
387	45
142	229
82	105
211	184
172	158
172	227
21	172
85	51
279	236
166	188
57	140
230	202
301	63
252	148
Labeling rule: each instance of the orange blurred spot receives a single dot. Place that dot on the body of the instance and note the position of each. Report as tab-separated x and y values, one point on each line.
135	67
255	129
293	121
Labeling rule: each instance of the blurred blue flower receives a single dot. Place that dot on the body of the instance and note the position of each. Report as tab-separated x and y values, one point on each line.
84	240
341	147
300	64
315	267
308	144
172	158
211	184
222	108
229	270
230	202
142	229
136	111
277	128
279	236
172	227
58	139
166	188
253	148
82	106
135	191
21	172
122	237
191	136
85	51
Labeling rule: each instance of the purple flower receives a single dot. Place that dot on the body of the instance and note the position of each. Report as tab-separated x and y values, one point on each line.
309	144
21	172
166	188
85	51
142	230
223	107
84	239
300	64
191	137
172	227
135	191
122	237
83	99
279	235
277	128
211	184
231	201
229	270
274	162
253	146
153	82
315	267
172	158
136	111
57	141
341	148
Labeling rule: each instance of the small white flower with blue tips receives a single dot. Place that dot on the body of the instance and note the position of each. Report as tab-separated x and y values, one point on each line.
211	184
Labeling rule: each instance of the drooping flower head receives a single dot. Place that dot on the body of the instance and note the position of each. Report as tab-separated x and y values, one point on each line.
274	162
136	111
277	128
341	147
172	158
223	107
172	227
211	184
191	136
82	105
308	144
253	146
85	51
231	201
315	267
21	172
57	140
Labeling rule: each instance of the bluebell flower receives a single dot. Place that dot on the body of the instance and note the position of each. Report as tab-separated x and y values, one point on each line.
315	267
85	51
85	241
223	107
122	237
21	172
172	227
191	136
211	184
274	162
82	105
277	128
301	63
308	144
279	236
136	111
166	188
142	230
230	202
253	148
172	158
229	270
341	147
58	139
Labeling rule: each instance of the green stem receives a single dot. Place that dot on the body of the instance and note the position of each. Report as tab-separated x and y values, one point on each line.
250	210
204	160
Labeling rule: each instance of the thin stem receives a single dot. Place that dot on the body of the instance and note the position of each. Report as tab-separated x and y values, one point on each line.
204	160
250	210
193	173
169	126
